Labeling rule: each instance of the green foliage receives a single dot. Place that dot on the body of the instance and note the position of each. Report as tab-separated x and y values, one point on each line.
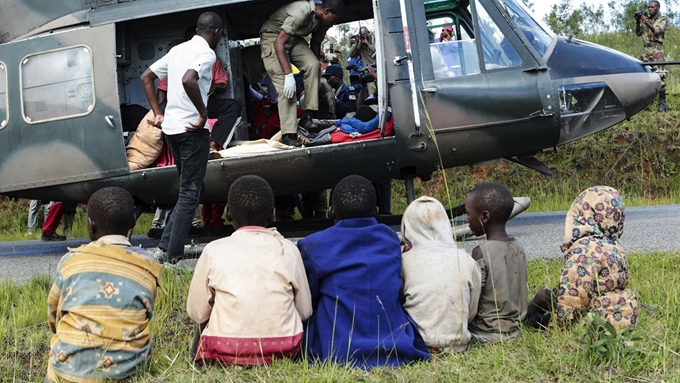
588	352
13	226
593	19
564	20
622	14
585	20
602	344
346	30
15	215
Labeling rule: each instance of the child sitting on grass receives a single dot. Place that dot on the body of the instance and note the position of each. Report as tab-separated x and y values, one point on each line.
441	282
101	302
354	270
503	301
595	275
251	287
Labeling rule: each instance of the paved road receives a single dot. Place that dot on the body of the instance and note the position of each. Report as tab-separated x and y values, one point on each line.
647	229
652	228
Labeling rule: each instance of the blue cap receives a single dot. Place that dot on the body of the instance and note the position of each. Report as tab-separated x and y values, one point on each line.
333	69
299	78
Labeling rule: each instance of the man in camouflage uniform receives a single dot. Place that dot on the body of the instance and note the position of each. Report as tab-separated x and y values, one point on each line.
653	29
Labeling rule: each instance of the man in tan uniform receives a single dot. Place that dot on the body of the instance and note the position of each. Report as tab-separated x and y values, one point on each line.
282	42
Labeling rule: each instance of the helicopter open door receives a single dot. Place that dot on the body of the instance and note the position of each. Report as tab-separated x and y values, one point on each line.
61	115
488	82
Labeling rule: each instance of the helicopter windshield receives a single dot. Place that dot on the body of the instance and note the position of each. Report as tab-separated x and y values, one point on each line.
537	33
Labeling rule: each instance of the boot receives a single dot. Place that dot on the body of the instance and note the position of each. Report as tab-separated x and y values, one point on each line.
662	101
306	122
291	139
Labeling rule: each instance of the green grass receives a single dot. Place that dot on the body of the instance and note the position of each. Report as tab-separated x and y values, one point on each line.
13	226
537	356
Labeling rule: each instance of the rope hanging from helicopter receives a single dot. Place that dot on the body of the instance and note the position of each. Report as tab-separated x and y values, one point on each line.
409	62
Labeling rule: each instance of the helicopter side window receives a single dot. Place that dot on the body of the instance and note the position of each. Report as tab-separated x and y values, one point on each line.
57	84
497	51
455	57
3	95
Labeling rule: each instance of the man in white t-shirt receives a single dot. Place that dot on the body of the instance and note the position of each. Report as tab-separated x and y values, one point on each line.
188	67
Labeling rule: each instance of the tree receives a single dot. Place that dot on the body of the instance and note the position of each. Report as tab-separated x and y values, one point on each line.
623	14
585	20
528	4
345	32
593	21
564	20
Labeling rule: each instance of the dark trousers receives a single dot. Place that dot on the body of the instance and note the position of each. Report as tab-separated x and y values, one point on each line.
226	111
190	150
383	194
314	204
198	330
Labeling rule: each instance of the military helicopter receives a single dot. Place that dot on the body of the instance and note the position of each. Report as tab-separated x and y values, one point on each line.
505	87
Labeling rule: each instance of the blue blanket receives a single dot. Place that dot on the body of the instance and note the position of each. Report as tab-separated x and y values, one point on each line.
353	125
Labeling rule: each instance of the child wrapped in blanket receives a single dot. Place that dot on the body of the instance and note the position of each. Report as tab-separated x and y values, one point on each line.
595	274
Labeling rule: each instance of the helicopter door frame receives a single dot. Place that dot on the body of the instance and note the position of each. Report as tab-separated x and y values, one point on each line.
485	94
65	121
381	66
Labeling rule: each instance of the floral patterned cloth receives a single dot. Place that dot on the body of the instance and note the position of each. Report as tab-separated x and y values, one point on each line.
595	275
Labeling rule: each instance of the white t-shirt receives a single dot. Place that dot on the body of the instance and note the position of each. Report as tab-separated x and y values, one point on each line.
194	54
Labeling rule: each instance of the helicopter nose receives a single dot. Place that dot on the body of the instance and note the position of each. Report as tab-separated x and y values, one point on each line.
598	87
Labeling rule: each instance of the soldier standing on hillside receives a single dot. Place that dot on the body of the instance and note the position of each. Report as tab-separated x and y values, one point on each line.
653	34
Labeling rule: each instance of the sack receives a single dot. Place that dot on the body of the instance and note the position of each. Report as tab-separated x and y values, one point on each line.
145	145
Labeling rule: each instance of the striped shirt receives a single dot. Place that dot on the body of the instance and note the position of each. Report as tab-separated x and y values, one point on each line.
99	309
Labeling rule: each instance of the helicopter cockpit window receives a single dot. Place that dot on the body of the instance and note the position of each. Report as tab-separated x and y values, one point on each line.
57	84
452	48
538	34
3	95
497	51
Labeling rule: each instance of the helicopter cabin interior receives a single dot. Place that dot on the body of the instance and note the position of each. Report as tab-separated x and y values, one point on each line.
141	42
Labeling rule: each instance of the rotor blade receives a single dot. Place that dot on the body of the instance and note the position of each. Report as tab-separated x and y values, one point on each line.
643	63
